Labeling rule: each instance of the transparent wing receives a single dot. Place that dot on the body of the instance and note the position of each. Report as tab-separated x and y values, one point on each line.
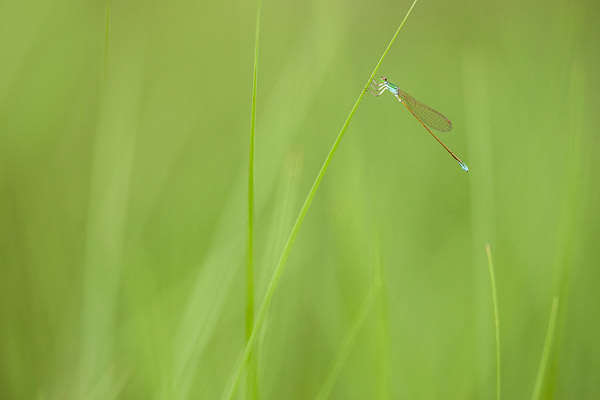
428	115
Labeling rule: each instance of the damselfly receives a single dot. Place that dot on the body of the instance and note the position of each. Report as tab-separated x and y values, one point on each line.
426	115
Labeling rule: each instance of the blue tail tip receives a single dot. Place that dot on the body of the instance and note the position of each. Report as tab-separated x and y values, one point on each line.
464	166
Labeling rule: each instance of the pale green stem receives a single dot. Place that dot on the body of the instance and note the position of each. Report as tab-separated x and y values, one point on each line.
252	382
547	346
496	319
307	202
348	342
106	37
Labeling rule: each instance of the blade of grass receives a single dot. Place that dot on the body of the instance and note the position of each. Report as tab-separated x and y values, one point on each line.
113	158
106	36
348	341
198	324
384	327
479	129
252	383
296	228
496	319
547	346
576	172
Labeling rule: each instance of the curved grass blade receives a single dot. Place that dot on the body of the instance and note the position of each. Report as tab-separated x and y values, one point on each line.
348	342
496	318
264	305
252	375
547	347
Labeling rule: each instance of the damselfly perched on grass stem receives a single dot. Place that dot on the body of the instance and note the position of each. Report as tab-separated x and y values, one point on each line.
426	115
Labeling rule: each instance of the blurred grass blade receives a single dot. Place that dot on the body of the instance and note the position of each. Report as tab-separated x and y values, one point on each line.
384	326
252	383
106	37
496	318
296	228
480	129
547	346
577	166
106	232
348	342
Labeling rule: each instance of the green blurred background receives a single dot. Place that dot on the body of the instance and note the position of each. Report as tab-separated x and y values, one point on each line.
123	178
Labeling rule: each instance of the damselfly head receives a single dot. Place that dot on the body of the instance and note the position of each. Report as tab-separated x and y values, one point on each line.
384	79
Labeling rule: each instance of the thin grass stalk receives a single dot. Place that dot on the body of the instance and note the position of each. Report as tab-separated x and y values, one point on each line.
106	37
252	378
384	326
496	318
546	354
296	228
348	341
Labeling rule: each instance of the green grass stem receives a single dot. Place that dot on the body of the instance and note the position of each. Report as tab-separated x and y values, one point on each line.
384	328
252	381
106	37
575	174
545	355
348	341
478	127
496	318
296	228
